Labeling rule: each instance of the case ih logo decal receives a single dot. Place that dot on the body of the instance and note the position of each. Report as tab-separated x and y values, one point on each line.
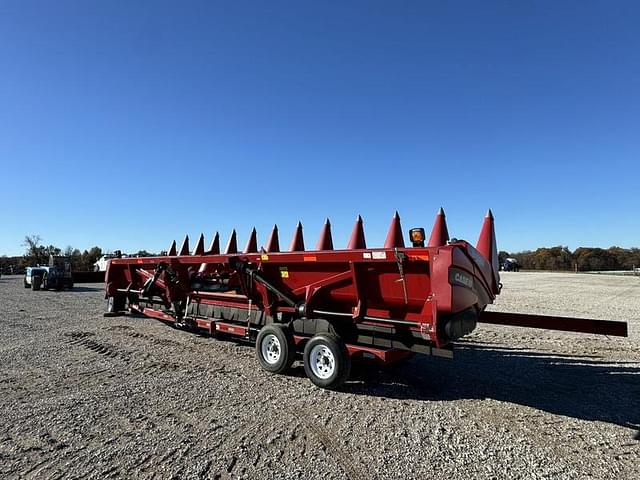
458	277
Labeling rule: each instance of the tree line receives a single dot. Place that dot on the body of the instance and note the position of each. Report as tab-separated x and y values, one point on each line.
558	258
37	253
583	259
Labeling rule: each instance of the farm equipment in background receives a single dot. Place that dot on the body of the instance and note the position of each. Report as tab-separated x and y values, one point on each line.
101	264
57	275
510	265
331	305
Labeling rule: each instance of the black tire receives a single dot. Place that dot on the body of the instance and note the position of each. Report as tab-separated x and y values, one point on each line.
36	282
115	306
275	348
320	369
26	285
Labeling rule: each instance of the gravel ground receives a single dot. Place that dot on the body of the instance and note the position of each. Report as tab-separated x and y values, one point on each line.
93	397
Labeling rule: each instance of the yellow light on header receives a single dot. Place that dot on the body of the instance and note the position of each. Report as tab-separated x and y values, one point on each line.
416	235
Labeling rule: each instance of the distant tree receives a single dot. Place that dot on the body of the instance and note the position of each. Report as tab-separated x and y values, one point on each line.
88	258
592	259
94	254
524	259
36	253
76	260
626	258
10	265
52	250
32	242
632	259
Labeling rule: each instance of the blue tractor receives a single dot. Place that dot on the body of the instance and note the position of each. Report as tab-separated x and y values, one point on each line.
56	275
511	265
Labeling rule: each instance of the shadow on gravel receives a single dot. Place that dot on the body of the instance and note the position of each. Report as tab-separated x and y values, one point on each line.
87	289
578	387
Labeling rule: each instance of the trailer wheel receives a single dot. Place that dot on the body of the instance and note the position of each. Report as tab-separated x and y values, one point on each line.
26	285
275	348
326	361
115	306
36	281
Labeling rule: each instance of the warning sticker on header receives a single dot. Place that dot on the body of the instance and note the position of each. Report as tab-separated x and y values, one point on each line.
366	255
379	255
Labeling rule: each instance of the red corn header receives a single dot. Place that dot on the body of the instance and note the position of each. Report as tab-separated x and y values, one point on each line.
381	303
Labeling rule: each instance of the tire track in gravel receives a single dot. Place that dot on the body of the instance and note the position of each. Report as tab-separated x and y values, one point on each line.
347	463
46	455
250	431
39	381
610	299
84	339
130	332
52	465
256	432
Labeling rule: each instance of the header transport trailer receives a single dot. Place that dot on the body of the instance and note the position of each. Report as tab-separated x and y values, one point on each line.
331	305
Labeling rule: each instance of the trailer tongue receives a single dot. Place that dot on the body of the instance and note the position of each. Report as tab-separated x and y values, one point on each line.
380	303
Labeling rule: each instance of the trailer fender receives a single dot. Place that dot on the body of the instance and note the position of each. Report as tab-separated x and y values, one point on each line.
312	326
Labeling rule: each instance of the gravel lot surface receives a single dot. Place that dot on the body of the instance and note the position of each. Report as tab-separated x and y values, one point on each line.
82	396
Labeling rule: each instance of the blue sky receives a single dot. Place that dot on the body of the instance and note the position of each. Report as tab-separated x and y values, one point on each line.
129	124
